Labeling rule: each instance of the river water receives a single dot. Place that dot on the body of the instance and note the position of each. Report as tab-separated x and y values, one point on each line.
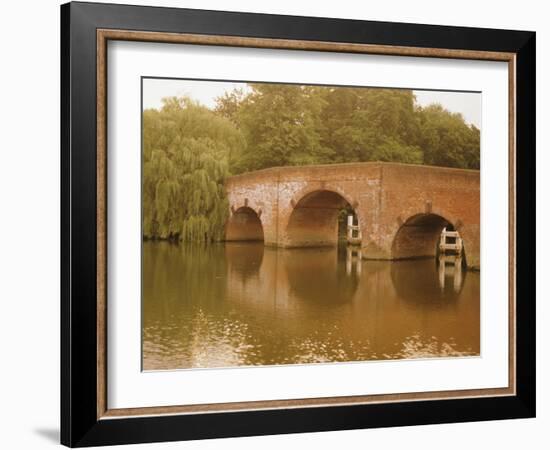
242	304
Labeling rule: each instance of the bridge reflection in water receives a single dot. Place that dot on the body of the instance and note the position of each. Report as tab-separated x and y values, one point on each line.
245	304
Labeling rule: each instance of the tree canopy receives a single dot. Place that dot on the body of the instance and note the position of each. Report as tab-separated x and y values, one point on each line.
297	125
189	149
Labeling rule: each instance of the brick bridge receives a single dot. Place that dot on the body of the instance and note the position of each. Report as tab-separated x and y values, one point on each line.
401	208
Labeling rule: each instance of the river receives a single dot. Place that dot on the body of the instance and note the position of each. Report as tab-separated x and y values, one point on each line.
243	304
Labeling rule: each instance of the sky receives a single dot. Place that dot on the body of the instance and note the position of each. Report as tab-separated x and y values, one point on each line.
205	92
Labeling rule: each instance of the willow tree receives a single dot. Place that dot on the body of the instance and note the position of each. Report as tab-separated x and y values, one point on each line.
186	149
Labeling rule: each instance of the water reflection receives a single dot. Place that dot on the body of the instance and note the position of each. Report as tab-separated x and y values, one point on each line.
317	277
434	287
455	264
246	304
353	258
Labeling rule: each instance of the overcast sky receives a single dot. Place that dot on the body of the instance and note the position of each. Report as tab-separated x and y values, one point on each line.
205	92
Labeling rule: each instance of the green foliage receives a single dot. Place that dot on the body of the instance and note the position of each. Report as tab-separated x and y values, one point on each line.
370	125
447	140
280	123
186	148
299	125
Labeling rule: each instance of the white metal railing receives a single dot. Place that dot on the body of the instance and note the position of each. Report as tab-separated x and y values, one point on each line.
354	232
455	246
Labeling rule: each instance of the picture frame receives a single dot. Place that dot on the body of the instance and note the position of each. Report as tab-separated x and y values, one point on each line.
86	418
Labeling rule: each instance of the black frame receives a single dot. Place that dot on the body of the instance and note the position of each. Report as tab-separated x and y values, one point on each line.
79	423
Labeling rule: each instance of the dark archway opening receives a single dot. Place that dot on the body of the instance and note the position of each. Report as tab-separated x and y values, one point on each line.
319	219
244	225
419	237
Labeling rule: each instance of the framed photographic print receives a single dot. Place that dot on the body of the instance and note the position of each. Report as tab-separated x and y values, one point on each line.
276	224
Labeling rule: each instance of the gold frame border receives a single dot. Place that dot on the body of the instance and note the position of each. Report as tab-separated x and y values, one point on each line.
103	36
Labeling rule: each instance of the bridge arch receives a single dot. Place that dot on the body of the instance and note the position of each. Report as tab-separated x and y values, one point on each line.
419	235
244	224
313	218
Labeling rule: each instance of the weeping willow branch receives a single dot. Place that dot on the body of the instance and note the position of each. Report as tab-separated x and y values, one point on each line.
185	163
